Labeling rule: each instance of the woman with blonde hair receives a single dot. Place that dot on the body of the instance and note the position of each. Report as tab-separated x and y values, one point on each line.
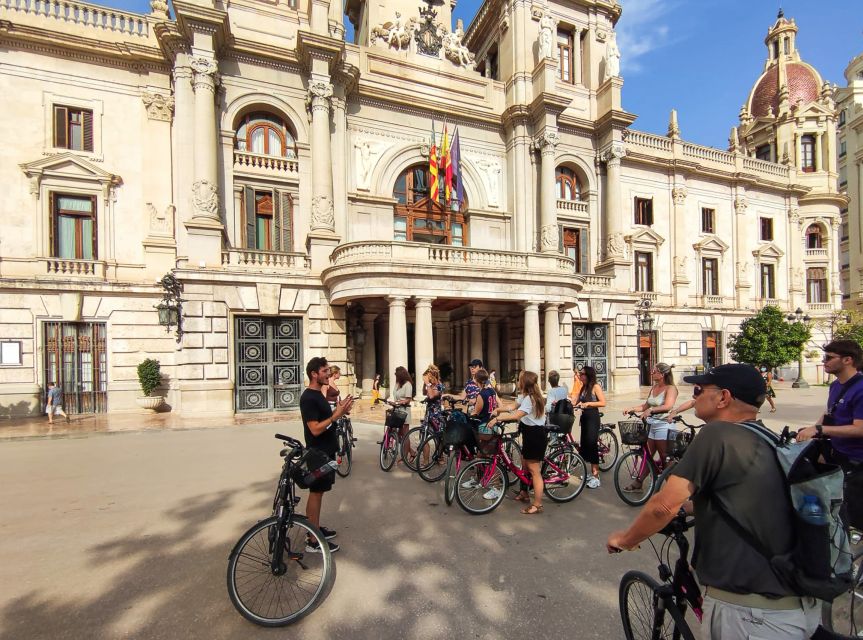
530	413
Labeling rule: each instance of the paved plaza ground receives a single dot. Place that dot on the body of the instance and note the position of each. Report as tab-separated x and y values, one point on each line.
128	535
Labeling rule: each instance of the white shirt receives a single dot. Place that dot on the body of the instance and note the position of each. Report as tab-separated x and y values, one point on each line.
527	406
555	394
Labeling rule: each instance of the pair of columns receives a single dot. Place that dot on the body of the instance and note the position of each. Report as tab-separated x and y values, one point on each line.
551	319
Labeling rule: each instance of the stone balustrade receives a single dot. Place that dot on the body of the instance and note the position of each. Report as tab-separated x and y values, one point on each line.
648	141
596	283
81	14
820	307
713	302
269	261
770	168
77	268
573	206
260	163
708	153
816	253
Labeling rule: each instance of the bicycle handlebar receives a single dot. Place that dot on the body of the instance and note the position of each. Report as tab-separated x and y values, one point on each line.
288	440
685	423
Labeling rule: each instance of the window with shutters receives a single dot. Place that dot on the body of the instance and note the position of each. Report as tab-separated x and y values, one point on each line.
643	271
73	227
764	152
268	220
807	153
768	281
73	128
814	237
574	244
419	219
644	211
766	229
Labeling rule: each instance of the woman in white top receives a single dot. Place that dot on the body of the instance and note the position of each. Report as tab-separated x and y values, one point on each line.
531	416
661	399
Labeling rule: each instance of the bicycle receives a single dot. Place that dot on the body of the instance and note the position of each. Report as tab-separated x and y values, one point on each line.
607	443
844	615
412	440
346	439
644	602
393	421
434	446
563	471
273	578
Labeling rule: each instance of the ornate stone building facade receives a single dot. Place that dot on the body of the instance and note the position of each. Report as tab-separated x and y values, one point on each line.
849	103
279	173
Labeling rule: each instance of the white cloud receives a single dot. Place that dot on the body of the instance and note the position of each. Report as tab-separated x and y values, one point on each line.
643	27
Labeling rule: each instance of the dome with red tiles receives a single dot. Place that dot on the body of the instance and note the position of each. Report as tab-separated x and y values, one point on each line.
804	84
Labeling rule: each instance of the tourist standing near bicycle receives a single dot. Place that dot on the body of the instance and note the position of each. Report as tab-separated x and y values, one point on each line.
319	421
663	394
739	495
531	416
556	393
590	400
331	390
403	395
471	387
486	403
843	422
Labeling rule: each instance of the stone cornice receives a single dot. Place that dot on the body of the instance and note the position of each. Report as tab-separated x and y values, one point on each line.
192	17
417	105
314	45
548	103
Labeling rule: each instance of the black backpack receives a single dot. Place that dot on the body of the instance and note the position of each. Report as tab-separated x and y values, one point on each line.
564	406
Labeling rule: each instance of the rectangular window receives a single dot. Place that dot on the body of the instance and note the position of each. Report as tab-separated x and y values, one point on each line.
842	118
764	152
816	285
73	227
268	220
644	211
564	57
10	352
574	245
843	149
73	128
766	229
708	220
710	276
643	271
768	282
400	229
807	153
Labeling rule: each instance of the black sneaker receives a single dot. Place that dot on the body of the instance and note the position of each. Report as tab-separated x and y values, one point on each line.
312	546
329	534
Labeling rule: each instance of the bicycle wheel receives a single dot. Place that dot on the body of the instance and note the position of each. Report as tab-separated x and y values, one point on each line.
567	460
626	478
513	450
388	451
344	456
845	614
302	581
664	475
453	466
409	446
435	468
609	449
476	480
640	615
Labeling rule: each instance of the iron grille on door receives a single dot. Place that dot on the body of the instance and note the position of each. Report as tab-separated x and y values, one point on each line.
590	348
76	358
269	363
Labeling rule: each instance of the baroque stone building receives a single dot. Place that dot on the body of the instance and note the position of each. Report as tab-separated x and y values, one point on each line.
849	103
279	173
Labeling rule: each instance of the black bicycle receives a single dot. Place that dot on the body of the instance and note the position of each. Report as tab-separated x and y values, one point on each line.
656	610
344	454
281	569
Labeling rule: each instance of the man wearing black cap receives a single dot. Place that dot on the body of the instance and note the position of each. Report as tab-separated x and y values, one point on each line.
738	494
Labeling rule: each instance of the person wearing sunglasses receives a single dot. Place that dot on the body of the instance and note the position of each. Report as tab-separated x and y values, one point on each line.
738	493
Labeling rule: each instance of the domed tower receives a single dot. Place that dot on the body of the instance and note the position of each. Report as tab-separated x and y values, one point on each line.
790	115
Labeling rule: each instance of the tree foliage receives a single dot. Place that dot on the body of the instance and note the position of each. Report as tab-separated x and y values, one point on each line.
769	339
851	328
149	375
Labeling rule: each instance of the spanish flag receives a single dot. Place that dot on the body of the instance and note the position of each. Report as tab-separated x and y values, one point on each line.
434	191
446	165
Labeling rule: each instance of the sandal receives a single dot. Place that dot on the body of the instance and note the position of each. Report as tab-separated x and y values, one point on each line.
632	488
532	510
520	498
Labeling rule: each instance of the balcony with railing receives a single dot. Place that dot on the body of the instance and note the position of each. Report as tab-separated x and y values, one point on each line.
258	164
577	207
91	269
820	307
816	253
713	302
253	260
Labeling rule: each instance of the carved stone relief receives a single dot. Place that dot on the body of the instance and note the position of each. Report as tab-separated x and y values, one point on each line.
366	155
491	171
205	199
550	237
161	223
396	33
678	194
322	213
159	106
547	37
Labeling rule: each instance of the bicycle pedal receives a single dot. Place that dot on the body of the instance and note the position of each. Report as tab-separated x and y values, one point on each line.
379	442
354	440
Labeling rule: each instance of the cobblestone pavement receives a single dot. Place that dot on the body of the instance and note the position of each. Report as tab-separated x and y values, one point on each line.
128	537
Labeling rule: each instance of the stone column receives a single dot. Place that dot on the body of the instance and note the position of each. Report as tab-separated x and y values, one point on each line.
576	56
552	338
680	278
184	143
549	233
465	348
369	364
819	156
423	338
206	185
476	338
493	363
614	244
398	336
320	93
340	163
456	354
531	337
742	255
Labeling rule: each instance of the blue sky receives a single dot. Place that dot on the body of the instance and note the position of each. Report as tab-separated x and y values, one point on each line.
702	57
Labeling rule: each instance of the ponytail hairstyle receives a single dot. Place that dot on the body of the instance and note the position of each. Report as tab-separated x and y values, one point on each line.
666	371
529	387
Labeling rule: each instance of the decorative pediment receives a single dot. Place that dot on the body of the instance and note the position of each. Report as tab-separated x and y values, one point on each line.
812	110
645	235
769	250
710	244
68	167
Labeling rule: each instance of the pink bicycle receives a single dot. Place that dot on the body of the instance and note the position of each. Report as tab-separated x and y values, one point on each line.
483	482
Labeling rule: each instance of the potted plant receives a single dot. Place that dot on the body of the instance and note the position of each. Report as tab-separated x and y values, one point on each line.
385	388
149	377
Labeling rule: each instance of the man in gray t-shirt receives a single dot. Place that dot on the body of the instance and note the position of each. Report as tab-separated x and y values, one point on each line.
55	402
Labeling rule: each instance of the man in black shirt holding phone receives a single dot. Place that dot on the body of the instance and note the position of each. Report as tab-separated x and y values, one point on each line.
320	433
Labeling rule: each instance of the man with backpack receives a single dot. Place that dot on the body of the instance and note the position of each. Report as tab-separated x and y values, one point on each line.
744	516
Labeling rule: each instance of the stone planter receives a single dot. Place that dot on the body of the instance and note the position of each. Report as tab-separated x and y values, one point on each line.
151	403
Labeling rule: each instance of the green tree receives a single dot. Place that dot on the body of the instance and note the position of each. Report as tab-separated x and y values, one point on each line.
767	338
851	328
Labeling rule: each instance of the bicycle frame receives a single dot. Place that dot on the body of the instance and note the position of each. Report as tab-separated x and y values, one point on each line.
501	456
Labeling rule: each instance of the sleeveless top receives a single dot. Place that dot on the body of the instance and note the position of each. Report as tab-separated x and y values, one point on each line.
489	404
656	401
588	396
333	393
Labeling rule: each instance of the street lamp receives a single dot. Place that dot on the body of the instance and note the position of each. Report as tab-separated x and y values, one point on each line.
171	307
643	315
798	318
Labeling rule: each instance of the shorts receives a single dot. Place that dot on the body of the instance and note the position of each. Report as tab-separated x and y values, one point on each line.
322	485
53	409
659	428
534	440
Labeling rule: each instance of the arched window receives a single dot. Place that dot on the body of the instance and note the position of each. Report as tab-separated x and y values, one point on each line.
418	219
814	237
568	185
267	135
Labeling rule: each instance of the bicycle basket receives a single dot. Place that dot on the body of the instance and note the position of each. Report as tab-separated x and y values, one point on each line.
457	430
677	443
633	432
313	465
560	422
487	445
396	418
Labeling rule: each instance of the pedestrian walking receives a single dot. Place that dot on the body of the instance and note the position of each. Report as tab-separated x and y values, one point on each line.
767	375
55	402
376	390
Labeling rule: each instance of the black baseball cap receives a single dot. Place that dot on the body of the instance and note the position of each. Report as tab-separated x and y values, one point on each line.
743	381
476	362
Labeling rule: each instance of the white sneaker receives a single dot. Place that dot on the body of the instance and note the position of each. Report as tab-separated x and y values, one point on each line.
470	484
593	482
492	494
